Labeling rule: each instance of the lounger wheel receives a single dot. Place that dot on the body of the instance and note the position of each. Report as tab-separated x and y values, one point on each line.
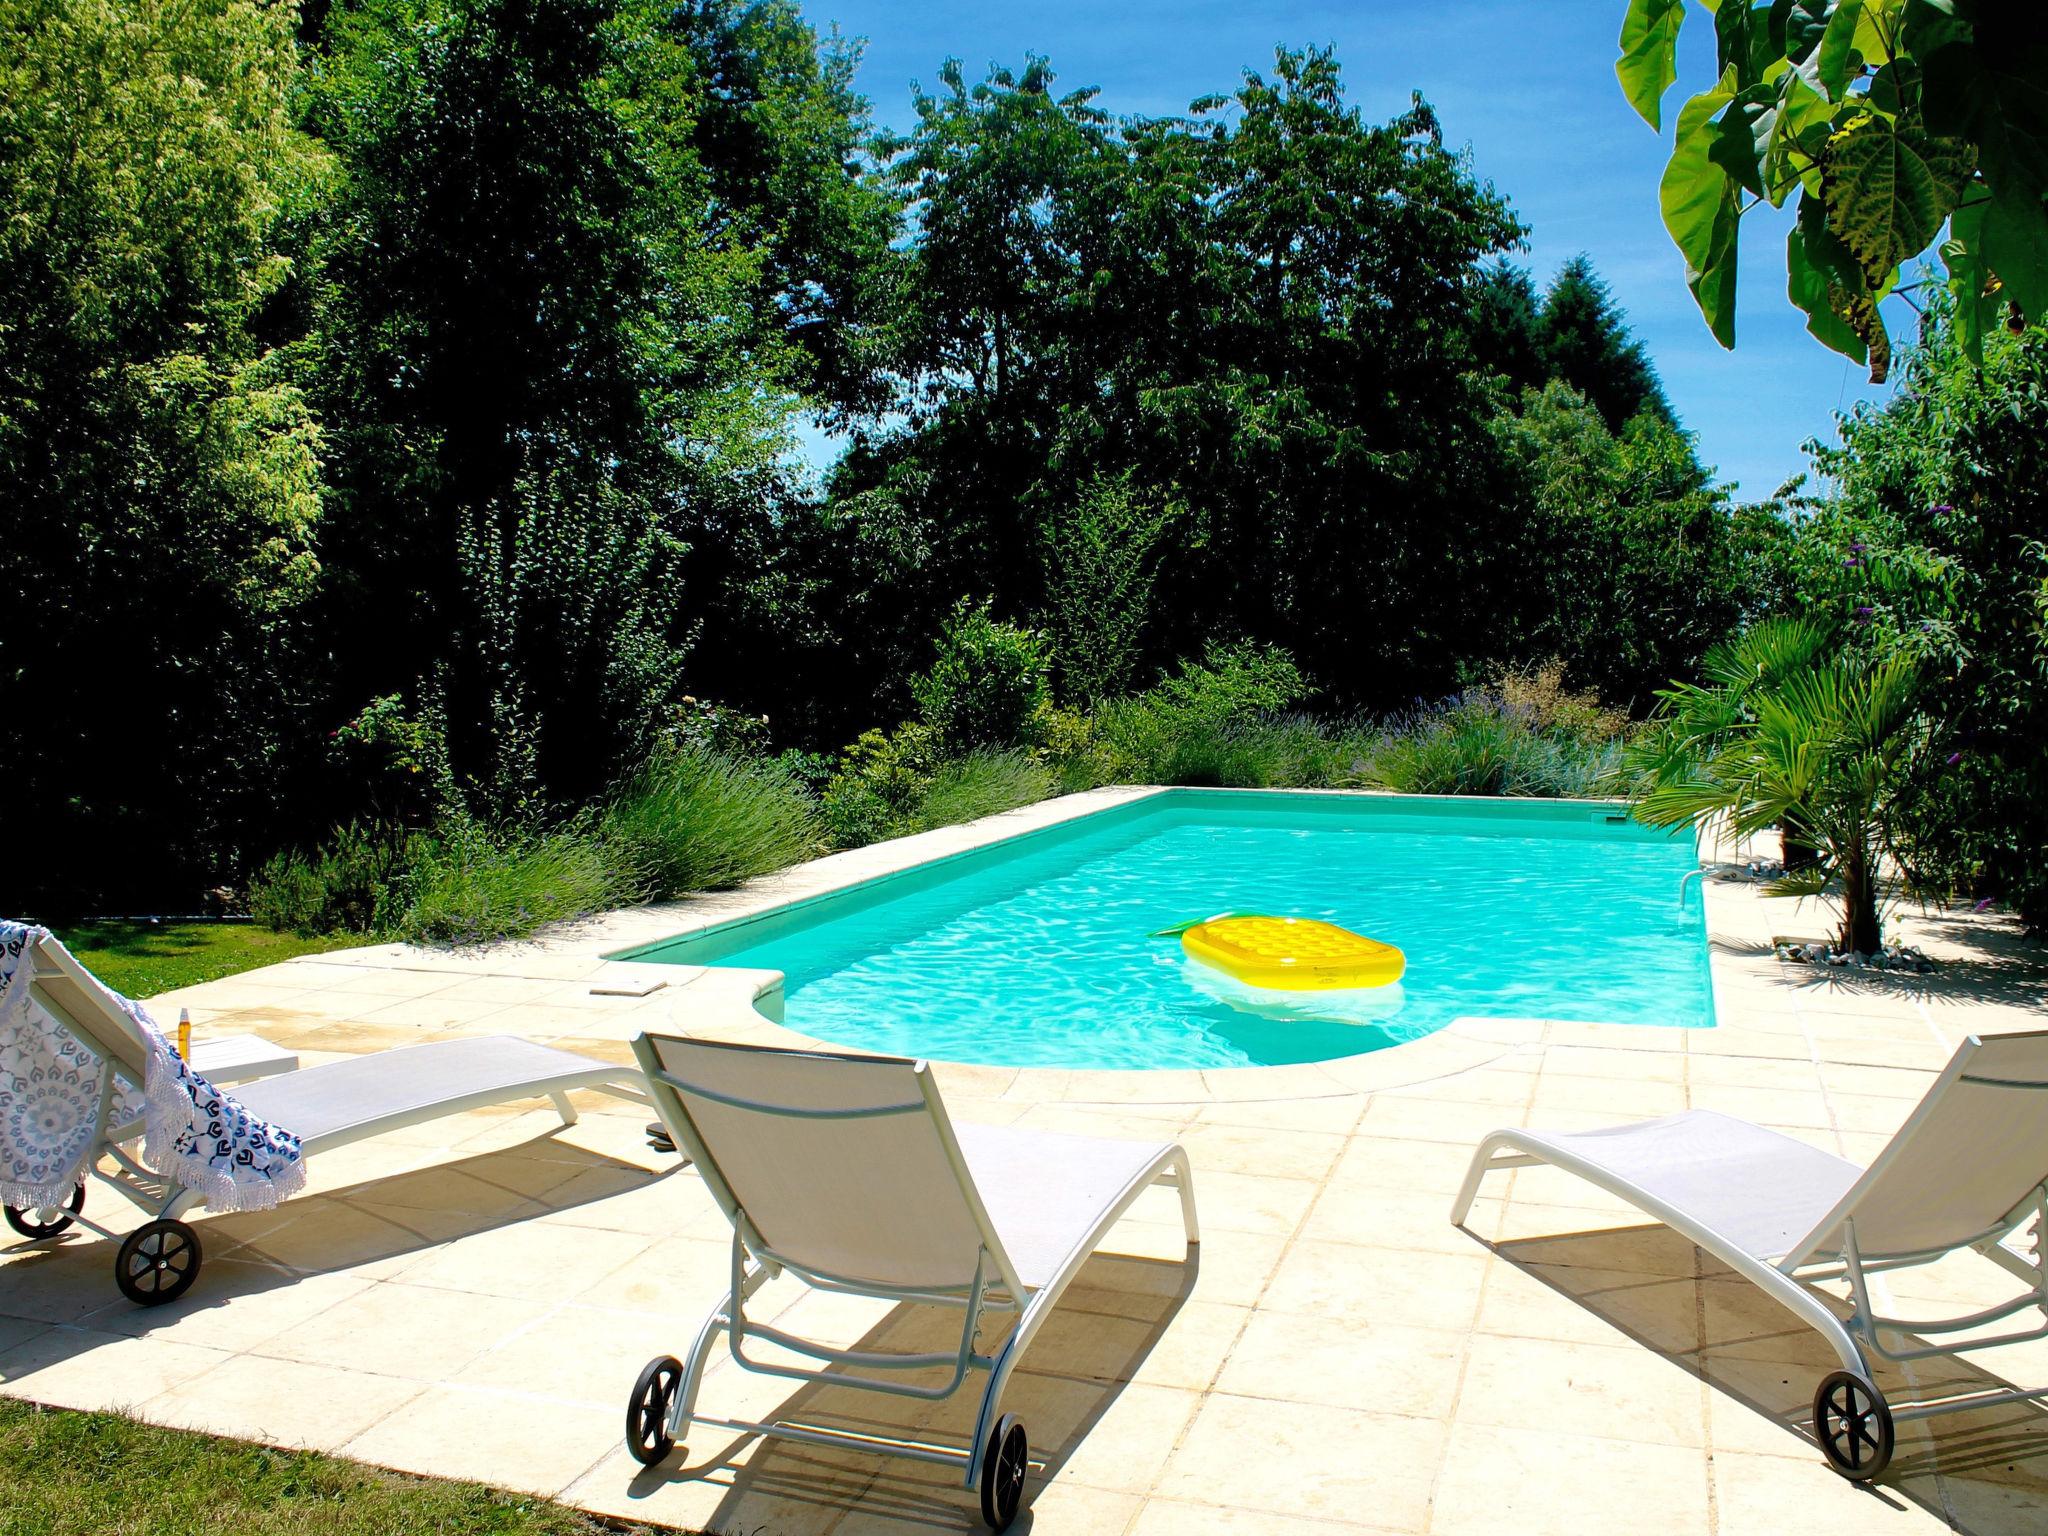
157	1263
1005	1463
46	1221
1854	1426
647	1412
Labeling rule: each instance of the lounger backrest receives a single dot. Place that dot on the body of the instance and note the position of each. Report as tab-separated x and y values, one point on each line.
82	1004
843	1166
1971	1154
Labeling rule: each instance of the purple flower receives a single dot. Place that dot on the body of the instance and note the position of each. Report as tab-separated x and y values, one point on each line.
1983	905
1859	547
1954	758
1863	614
1941	511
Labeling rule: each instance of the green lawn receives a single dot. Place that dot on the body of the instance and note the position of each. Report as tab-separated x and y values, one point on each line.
143	959
66	1472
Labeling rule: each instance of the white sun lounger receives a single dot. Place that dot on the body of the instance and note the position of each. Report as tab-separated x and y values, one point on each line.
1968	1169
324	1106
846	1172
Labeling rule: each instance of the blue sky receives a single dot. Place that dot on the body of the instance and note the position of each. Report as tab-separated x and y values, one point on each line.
1528	85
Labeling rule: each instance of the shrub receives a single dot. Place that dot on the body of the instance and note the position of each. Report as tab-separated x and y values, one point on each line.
895	784
1198	726
696	820
355	884
1480	745
1100	554
988	687
879	785
980	784
470	885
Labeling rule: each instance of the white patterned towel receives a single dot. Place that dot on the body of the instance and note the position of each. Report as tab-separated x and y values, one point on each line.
49	1107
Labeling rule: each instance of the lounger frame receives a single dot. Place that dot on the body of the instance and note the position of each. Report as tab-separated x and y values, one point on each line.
112	1038
996	1287
1830	1252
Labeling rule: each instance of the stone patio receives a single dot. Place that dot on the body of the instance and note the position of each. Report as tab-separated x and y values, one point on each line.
473	1298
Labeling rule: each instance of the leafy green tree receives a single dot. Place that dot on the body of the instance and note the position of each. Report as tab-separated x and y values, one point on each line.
1632	563
1891	119
1935	546
1259	310
1101	553
581	259
1583	338
161	467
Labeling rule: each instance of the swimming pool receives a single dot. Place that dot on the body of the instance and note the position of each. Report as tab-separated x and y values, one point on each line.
1039	950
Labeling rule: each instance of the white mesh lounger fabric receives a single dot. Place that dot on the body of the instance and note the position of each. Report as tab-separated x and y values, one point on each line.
846	1172
1968	1169
325	1106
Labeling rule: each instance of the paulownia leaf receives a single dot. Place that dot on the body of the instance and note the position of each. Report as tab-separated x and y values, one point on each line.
1804	23
1877	30
1837	42
1790	139
1889	188
1702	205
1825	280
1969	280
1649	55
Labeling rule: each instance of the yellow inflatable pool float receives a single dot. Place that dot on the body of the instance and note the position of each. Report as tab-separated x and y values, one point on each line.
1292	954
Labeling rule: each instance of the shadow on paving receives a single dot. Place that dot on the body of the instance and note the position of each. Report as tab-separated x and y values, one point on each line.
1092	1345
71	1278
1983	1472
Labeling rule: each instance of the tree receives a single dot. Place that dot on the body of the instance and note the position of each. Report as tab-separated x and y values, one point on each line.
161	466
1631	563
1258	311
1935	546
581	260
1792	729
1891	119
1583	339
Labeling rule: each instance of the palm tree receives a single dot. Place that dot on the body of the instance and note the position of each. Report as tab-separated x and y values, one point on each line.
1792	729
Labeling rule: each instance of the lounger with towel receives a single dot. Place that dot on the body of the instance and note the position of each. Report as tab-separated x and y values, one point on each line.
1968	1169
104	1078
846	1172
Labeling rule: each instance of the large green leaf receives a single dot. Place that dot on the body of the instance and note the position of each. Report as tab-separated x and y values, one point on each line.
1824	279
1837	42
1804	23
1790	138
1702	208
1649	55
1878	25
1889	187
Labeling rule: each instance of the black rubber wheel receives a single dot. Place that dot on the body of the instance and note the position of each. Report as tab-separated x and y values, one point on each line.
1854	1426
48	1221
1005	1463
157	1263
654	1394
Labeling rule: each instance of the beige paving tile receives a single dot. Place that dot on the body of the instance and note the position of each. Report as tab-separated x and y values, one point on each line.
1632	1393
251	1397
536	1261
1754	1494
411	1331
1346	1363
1244	1202
1363	1283
1536	1482
84	1368
531	1444
1173	1517
1312	1461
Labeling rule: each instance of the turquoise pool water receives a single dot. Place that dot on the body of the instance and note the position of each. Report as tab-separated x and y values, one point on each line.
1038	951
